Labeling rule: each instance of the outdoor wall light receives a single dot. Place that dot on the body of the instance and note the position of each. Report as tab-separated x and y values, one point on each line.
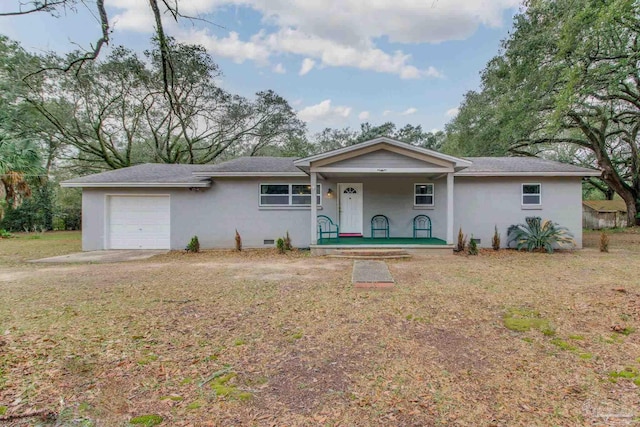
329	193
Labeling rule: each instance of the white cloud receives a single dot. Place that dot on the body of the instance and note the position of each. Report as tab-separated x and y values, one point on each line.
364	115
330	53
313	29
452	112
135	16
324	112
279	69
307	65
409	111
402	21
230	47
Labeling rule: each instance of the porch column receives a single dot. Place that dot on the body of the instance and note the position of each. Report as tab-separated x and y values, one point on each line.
450	208
314	208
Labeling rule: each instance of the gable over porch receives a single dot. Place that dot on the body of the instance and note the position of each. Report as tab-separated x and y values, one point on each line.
384	177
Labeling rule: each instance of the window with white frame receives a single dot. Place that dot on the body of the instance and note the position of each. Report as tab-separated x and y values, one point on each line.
531	194
423	195
288	194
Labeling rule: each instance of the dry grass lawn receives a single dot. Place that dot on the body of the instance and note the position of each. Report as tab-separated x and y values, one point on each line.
254	338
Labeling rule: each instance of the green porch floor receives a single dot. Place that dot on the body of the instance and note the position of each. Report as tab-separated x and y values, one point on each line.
383	241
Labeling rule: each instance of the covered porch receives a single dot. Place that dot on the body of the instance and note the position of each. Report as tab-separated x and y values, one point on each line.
373	196
382	242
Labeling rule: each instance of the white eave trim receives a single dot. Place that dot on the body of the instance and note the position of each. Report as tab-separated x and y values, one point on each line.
135	184
247	174
456	160
580	174
329	169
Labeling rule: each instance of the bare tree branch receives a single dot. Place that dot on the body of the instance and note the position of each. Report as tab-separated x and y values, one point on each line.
46	6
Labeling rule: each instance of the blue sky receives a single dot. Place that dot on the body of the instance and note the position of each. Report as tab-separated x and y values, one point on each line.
338	62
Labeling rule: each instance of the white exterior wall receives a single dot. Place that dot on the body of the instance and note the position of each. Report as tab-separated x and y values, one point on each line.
484	202
213	214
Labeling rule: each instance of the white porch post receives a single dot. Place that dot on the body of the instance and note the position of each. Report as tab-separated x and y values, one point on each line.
450	208
314	208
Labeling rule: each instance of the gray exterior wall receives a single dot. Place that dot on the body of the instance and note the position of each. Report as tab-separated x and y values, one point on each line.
233	203
382	158
212	214
393	197
481	203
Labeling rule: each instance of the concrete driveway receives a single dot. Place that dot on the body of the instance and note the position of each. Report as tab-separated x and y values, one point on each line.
104	256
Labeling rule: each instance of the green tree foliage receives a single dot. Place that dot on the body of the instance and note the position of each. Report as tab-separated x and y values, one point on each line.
116	113
19	161
566	85
35	213
331	139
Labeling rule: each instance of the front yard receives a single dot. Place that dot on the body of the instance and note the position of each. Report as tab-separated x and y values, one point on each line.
255	338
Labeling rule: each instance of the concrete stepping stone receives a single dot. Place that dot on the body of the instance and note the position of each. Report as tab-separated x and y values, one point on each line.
369	274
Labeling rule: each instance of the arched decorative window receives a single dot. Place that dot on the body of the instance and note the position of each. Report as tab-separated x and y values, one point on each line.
350	190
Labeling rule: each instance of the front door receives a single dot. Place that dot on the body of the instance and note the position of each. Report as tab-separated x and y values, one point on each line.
350	208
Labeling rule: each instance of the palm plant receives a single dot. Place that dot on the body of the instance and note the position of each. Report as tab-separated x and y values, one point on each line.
18	160
539	234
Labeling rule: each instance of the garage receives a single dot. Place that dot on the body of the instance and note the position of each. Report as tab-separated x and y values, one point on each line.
139	222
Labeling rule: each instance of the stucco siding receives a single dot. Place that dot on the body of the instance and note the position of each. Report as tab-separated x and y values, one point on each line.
393	197
93	210
482	203
215	213
212	214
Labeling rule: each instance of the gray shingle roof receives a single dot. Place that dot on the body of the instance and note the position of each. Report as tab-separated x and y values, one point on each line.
254	164
183	174
519	164
148	172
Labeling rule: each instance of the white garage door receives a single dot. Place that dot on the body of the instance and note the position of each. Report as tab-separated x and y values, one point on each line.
139	222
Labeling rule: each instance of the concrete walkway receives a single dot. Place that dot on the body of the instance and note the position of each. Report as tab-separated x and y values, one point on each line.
371	275
103	256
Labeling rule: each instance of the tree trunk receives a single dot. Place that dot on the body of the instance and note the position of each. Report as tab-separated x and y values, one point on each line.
632	207
630	195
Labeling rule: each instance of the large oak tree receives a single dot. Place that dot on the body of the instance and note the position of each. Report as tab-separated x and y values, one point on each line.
568	76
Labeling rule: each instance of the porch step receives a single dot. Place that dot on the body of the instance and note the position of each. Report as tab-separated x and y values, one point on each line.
370	254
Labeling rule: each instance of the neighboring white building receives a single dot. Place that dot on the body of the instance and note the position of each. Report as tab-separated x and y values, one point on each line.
163	206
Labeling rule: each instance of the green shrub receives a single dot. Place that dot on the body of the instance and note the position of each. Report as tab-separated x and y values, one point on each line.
68	209
473	246
4	234
194	245
462	241
280	245
495	241
287	242
35	212
537	234
238	241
